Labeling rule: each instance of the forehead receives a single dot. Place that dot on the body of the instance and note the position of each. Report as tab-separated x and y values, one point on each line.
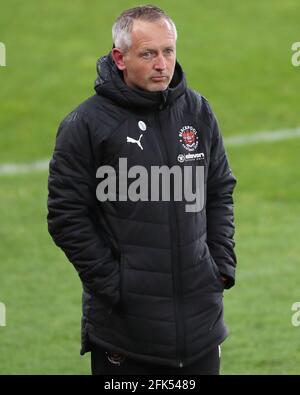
152	34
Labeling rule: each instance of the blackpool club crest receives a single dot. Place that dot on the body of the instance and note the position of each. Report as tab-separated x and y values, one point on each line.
188	138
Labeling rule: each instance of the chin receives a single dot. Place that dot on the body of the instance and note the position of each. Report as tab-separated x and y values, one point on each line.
157	87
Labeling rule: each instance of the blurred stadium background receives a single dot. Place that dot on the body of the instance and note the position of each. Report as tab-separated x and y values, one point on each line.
238	55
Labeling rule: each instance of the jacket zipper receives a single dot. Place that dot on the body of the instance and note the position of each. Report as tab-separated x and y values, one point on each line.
176	269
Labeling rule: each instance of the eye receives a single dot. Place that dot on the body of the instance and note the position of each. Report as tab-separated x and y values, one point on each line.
169	51
147	55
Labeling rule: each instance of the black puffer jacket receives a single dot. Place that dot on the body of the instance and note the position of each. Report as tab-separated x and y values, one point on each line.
150	270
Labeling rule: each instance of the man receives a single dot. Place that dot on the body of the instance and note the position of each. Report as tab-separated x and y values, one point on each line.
153	265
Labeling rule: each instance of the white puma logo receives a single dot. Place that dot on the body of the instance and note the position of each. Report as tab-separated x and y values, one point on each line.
138	142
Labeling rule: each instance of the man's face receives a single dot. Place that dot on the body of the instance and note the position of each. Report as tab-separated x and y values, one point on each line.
150	62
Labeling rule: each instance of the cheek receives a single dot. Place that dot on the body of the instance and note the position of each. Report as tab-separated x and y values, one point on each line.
145	71
171	63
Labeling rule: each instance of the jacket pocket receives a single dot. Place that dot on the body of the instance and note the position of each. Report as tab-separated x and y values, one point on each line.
216	272
85	342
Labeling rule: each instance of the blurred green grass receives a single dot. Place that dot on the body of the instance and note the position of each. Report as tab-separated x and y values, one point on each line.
238	55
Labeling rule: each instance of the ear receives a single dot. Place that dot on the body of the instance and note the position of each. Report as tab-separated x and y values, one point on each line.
118	58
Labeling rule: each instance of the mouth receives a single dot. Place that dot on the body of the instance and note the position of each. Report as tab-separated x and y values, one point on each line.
159	78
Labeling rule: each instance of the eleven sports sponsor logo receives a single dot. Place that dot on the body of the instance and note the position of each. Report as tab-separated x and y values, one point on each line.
187	157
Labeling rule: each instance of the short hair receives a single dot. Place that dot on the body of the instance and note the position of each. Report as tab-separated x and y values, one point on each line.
122	28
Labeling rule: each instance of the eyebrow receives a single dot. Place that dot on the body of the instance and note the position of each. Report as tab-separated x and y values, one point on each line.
155	50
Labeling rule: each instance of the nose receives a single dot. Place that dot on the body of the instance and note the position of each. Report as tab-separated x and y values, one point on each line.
160	63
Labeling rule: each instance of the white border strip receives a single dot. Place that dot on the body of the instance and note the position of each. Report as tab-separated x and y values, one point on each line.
13	168
277	135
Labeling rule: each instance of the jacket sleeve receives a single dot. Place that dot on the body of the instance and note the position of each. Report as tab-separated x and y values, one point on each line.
220	218
71	210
